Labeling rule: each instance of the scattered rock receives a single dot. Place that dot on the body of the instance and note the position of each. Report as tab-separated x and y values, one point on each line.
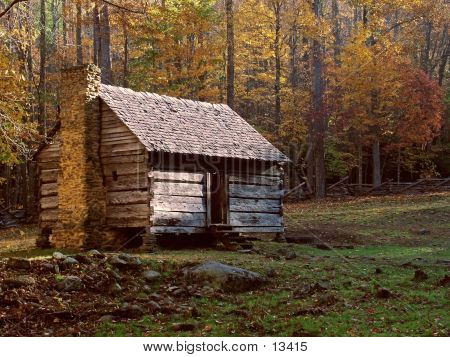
19	281
131	311
147	289
154	306
288	254
155	296
383	293
151	275
114	274
320	286
420	275
184	326
19	264
95	253
130	259
106	318
323	246
118	262
70	283
115	288
378	271
227	277
59	256
304	290
48	267
69	261
178	292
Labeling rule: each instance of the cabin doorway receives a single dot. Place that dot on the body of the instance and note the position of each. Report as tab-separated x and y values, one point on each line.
217	195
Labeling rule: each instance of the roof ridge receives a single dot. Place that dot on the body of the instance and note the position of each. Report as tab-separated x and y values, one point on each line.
178	99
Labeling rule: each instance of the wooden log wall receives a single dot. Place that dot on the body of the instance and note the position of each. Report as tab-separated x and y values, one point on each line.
255	201
178	202
124	161
48	163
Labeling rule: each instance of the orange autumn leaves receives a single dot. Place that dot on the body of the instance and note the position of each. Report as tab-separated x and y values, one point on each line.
379	94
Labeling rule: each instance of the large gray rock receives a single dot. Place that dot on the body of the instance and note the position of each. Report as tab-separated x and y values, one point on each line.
70	283
151	275
226	277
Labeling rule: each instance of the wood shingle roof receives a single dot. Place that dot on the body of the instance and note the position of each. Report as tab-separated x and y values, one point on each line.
183	126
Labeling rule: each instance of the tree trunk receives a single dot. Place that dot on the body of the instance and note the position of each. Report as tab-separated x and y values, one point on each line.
42	69
310	165
319	124
425	61
230	52
293	47
125	57
360	162
444	56
54	33
336	30
64	24
79	44
96	34
105	46
29	67
399	162
376	164
277	49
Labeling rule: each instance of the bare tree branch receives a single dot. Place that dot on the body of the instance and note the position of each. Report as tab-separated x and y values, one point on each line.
9	7
120	7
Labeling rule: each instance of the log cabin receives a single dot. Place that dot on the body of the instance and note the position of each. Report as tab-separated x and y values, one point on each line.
121	163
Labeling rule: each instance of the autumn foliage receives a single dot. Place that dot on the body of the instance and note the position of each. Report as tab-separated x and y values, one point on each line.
383	66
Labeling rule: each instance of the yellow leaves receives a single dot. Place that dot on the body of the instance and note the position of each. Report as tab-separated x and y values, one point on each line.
14	129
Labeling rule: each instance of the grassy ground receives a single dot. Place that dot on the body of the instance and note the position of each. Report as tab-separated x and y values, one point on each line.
390	237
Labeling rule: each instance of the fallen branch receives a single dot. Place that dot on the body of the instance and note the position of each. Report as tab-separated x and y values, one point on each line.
294	189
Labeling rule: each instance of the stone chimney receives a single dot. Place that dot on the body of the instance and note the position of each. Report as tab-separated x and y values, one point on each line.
81	194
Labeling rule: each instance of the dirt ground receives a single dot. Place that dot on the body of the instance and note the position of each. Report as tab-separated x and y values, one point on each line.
367	267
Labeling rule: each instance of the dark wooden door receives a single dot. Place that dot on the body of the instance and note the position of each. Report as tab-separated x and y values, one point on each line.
217	197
